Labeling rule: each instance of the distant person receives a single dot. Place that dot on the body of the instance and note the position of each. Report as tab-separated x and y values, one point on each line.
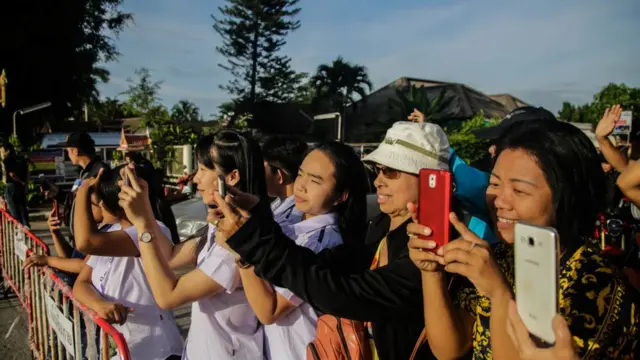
282	158
14	175
81	150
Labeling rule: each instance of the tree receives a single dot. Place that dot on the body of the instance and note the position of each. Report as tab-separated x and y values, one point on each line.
341	83
611	94
58	61
253	33
418	98
106	111
470	148
142	94
185	111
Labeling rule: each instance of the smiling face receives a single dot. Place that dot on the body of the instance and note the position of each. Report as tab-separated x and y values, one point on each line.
518	191
395	189
314	188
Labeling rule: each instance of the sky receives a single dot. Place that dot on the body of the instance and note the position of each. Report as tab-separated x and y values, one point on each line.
541	51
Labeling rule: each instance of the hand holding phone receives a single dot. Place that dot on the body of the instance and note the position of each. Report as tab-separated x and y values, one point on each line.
536	278
434	205
222	186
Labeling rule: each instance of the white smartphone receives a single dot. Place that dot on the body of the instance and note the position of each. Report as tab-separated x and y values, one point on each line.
536	277
222	186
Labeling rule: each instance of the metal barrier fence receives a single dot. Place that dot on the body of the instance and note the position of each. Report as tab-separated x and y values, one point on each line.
59	326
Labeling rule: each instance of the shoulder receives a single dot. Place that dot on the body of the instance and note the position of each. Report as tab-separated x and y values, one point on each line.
599	305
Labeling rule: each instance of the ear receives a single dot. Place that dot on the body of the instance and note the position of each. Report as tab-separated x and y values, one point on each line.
342	198
233	177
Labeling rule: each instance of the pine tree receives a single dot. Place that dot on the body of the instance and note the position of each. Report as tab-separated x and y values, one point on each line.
253	33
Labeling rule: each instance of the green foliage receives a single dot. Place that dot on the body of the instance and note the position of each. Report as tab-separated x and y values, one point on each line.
185	111
418	98
164	132
34	195
253	33
48	59
15	141
341	83
468	146
610	95
117	156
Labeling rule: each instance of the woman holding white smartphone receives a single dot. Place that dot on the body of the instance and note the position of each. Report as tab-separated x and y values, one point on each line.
546	173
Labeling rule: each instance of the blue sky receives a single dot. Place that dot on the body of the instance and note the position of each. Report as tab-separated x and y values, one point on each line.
541	51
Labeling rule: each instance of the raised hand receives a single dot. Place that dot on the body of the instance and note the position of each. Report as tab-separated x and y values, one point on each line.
607	124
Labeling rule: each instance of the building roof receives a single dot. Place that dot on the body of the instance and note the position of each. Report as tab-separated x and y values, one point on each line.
369	122
133	142
509	101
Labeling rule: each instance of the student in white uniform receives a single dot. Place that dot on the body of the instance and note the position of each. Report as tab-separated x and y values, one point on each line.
328	192
112	282
223	326
282	158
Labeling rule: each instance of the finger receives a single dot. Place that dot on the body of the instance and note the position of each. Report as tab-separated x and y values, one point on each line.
229	212
460	256
98	176
232	201
413	210
520	331
461	244
133	182
417	255
464	231
53	210
419	244
128	190
465	270
564	341
415	229
511	318
116	315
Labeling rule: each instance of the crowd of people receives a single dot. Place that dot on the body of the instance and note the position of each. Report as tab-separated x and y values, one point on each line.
289	267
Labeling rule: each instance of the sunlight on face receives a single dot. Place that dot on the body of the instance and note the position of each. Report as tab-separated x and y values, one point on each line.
314	188
518	191
395	190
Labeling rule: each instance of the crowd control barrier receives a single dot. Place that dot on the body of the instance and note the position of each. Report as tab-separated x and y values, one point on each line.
59	326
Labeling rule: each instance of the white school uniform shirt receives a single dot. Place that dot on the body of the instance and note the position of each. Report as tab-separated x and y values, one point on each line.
285	212
288	337
223	326
151	332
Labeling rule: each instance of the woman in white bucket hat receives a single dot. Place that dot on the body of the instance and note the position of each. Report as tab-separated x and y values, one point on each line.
376	283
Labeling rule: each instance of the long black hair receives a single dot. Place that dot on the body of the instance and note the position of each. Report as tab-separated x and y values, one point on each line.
571	166
109	189
226	151
351	177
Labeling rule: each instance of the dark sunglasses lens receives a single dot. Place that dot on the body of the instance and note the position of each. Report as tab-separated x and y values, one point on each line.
388	172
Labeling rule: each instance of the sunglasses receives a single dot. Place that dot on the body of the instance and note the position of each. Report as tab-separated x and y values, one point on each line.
387	172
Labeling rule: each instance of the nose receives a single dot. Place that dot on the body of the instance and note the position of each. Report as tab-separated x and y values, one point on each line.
300	185
502	200
196	177
379	181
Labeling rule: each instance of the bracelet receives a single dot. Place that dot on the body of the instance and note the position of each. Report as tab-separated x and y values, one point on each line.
242	264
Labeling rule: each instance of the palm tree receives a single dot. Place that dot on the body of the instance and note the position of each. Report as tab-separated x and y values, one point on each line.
341	83
418	98
185	112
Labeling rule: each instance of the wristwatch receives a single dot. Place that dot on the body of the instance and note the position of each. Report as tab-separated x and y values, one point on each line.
146	237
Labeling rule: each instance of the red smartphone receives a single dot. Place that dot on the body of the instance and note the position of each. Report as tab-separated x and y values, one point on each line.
55	208
434	204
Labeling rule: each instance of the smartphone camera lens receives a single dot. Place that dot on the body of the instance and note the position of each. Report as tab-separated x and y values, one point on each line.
532	242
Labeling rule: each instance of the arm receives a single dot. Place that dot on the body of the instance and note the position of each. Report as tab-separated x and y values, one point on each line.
389	293
63	248
89	240
183	254
501	345
629	182
84	292
449	328
605	128
613	156
267	303
168	290
73	266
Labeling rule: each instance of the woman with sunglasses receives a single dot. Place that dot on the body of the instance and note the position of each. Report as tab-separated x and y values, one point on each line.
377	282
